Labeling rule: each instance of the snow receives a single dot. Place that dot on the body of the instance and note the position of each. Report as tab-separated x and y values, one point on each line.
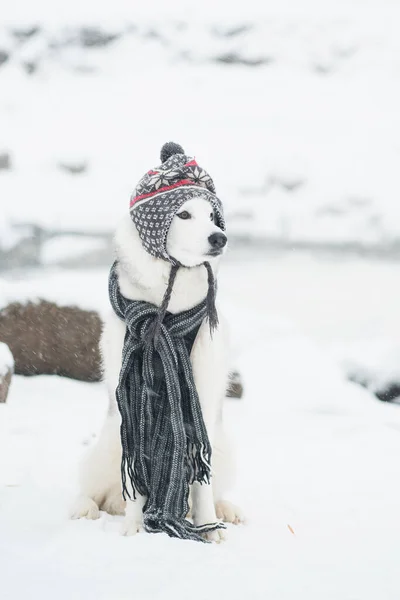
87	290
66	247
317	456
6	359
11	236
303	147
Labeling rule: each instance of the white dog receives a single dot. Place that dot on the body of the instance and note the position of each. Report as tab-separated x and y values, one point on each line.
193	238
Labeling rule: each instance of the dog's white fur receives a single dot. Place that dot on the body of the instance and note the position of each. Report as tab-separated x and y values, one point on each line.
143	277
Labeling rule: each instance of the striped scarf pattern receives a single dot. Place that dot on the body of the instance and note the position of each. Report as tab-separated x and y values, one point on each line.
165	446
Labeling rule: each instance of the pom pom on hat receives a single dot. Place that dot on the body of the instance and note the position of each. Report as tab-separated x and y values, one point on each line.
169	149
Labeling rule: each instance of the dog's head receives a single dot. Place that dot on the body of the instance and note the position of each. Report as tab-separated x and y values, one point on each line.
194	236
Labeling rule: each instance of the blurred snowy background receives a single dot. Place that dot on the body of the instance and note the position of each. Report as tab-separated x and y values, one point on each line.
294	110
293	107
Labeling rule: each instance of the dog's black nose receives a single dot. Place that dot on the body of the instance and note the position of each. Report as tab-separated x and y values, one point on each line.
217	240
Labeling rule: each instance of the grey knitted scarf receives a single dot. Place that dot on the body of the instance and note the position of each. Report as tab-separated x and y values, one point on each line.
165	446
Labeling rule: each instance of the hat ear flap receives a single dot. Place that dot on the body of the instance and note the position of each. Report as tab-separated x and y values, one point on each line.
219	219
210	186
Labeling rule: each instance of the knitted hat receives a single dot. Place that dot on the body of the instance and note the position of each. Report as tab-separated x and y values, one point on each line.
162	191
155	202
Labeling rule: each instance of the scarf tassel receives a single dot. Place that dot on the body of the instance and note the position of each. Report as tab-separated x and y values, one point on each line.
180	528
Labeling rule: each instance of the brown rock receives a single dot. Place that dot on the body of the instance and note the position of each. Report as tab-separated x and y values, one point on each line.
56	340
5	381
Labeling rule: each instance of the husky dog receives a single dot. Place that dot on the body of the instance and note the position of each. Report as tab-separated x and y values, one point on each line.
193	238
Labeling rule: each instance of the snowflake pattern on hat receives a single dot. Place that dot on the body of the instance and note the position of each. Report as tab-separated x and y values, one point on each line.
199	176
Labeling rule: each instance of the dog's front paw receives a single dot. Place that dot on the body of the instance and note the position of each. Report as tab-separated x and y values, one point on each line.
229	513
133	521
217	536
131	526
84	508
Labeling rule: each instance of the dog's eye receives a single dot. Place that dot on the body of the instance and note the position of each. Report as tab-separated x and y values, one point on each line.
212	216
184	215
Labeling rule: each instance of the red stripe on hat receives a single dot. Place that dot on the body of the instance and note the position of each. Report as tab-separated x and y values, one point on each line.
161	190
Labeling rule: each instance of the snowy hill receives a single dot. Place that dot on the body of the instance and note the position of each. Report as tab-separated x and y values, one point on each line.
293	112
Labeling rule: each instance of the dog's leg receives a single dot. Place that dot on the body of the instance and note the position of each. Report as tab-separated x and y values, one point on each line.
224	474
114	504
100	471
210	360
133	522
100	478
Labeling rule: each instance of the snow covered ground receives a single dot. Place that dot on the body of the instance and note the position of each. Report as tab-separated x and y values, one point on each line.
318	458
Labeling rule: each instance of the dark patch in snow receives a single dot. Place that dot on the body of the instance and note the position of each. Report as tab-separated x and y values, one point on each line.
290	184
75	168
30	67
235	388
322	69
233	58
387	392
93	37
5	161
24	33
232	31
4	56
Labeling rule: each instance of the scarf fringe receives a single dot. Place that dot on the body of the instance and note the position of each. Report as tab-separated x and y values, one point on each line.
179	528
199	464
129	467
